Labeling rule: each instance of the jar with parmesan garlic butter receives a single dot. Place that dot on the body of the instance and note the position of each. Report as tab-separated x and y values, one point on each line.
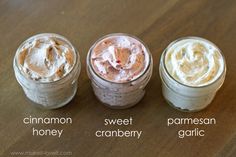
192	70
47	67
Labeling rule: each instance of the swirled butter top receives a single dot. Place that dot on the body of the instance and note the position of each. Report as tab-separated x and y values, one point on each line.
46	59
119	58
194	62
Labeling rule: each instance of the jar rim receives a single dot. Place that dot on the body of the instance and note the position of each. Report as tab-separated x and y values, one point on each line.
198	38
119	34
77	57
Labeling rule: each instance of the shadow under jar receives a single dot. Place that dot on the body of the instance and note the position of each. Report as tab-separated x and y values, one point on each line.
119	67
192	70
47	67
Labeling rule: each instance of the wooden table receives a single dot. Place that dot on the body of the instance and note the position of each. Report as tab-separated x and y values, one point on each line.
157	23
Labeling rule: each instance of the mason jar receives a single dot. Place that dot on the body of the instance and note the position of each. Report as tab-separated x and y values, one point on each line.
49	94
115	94
190	97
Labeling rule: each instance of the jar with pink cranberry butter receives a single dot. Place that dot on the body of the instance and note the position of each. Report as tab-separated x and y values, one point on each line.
47	67
192	70
119	67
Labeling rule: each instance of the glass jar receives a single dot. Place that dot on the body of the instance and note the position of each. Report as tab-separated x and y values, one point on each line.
119	95
185	97
52	94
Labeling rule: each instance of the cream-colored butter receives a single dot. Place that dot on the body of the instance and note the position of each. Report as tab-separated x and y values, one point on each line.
46	59
194	62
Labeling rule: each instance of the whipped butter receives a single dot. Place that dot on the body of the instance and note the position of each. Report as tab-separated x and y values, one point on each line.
192	70
47	67
194	62
119	58
46	59
119	66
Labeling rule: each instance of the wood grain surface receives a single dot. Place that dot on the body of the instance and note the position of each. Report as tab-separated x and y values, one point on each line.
157	23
